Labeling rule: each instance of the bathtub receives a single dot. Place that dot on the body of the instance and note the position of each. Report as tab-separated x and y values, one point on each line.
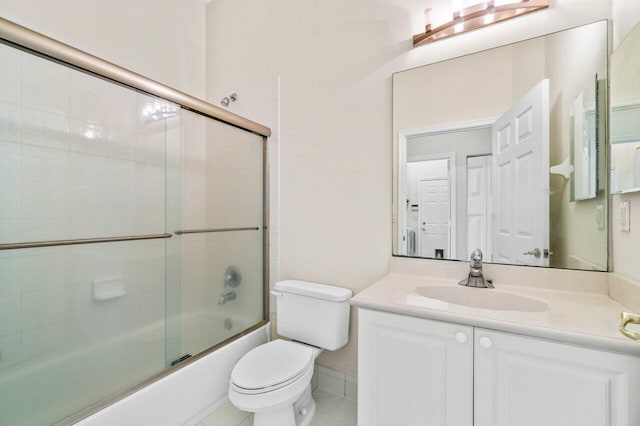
185	397
86	371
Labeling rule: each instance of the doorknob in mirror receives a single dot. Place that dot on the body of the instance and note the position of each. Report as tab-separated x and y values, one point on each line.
536	252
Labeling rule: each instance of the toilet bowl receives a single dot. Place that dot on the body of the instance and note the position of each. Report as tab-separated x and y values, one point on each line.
273	380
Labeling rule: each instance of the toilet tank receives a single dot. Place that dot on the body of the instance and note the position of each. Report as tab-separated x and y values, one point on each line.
312	313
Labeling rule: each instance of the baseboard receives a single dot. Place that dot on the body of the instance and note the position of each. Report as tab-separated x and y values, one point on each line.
337	382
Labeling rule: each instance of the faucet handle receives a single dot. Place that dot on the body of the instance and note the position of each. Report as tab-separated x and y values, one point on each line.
476	255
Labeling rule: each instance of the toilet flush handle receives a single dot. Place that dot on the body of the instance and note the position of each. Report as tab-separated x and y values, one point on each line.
277	294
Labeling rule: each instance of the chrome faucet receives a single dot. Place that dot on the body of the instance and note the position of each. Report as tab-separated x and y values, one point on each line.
476	277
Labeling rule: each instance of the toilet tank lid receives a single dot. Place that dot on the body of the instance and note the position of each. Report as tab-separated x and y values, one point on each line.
318	291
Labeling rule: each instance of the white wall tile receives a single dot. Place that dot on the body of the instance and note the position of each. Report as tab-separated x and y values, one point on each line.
45	128
10	160
57	201
10	55
88	138
43	308
331	372
88	330
34	200
331	384
49	341
150	148
9	315
10	119
10	83
88	97
10	350
121	143
46	88
86	202
9	199
34	163
43	270
10	275
122	109
10	230
34	230
88	170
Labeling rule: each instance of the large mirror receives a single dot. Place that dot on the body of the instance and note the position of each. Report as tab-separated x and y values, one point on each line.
504	150
625	115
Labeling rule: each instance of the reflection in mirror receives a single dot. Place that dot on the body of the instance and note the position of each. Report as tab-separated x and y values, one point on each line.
625	115
584	142
499	150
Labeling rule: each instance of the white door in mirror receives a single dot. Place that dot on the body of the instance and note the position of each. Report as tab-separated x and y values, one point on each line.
521	179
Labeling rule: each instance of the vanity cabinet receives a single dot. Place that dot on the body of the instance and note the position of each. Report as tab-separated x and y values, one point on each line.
414	371
527	381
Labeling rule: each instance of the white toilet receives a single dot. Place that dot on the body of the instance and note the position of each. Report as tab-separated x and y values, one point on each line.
274	380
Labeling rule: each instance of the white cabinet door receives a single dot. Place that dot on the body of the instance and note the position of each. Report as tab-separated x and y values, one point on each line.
413	371
522	381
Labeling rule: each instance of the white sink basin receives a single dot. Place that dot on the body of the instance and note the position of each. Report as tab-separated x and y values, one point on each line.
483	298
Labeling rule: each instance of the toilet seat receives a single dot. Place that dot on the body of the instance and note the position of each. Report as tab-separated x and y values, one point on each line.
271	366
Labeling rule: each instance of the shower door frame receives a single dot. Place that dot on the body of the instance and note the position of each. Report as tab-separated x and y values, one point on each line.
23	38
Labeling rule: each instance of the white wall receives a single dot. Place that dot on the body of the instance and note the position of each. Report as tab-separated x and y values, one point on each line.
335	61
626	15
160	39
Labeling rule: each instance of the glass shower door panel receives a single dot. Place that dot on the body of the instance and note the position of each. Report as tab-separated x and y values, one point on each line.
81	157
222	202
78	324
208	319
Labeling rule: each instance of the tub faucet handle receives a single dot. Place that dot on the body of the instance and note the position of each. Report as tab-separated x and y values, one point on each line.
226	296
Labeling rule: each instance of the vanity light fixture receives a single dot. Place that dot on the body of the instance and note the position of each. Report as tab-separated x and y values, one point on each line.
477	16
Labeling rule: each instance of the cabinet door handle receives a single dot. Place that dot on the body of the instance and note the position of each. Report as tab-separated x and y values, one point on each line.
461	337
486	343
629	318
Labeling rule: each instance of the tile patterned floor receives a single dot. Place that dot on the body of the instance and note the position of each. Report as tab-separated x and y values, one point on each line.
331	410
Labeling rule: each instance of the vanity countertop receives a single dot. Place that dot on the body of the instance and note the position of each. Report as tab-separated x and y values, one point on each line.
580	318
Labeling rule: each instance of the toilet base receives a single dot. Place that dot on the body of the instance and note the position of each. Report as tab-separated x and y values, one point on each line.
298	414
304	408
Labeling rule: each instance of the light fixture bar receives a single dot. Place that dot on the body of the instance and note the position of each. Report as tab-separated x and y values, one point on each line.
474	17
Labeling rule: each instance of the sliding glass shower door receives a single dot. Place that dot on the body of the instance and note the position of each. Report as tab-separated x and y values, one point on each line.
222	234
131	237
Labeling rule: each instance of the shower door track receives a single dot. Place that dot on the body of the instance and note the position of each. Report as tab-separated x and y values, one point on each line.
54	243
